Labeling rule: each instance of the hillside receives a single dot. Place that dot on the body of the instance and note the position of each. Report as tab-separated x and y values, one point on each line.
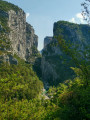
18	81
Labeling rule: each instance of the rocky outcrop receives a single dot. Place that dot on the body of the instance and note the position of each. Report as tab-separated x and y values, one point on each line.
47	40
73	33
55	63
17	35
8	59
21	34
49	74
31	40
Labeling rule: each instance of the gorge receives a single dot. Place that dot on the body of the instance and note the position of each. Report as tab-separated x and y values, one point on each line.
54	63
51	85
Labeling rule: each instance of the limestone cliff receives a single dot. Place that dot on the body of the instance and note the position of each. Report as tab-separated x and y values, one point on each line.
17	35
55	63
31	40
20	34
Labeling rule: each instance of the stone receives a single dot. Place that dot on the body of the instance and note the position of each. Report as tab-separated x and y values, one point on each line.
47	40
17	35
31	40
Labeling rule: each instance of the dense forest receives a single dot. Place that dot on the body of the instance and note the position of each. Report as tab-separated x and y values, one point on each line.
21	85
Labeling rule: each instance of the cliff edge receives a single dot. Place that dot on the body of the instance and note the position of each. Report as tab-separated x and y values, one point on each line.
20	34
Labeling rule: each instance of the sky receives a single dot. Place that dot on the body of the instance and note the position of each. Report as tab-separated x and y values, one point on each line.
42	14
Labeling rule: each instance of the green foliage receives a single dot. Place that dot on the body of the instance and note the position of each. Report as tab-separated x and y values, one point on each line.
20	91
5	6
72	99
4	43
37	67
18	82
25	110
3	22
80	59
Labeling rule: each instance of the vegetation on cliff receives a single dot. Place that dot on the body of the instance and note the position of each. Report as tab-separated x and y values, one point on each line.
5	6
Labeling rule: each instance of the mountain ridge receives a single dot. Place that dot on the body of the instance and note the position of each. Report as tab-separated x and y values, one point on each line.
55	63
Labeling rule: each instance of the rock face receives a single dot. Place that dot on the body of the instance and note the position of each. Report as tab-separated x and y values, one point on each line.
8	59
49	74
73	33
55	63
31	40
17	25
21	34
47	40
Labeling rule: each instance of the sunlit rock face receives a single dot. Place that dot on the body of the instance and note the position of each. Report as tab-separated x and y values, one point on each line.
17	25
21	34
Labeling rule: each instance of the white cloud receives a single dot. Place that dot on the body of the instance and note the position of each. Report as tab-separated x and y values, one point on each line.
27	15
79	15
72	20
78	18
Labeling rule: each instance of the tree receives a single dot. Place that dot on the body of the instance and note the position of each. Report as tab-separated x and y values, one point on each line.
86	10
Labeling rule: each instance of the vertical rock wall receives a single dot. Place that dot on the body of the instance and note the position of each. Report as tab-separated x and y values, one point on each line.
31	40
47	40
17	25
20	34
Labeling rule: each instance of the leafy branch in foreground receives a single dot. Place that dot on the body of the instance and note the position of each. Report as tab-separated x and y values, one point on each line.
86	11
